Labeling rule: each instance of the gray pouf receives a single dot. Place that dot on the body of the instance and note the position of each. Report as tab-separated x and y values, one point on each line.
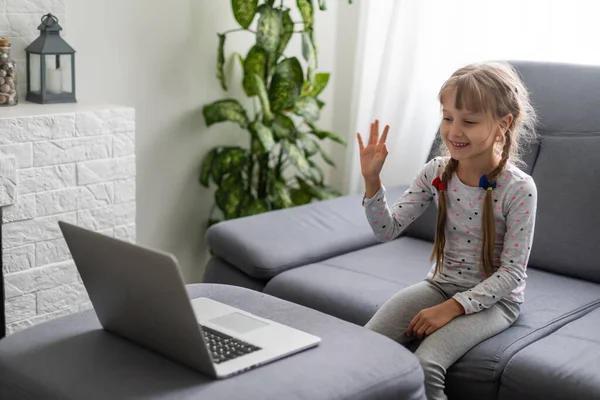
73	358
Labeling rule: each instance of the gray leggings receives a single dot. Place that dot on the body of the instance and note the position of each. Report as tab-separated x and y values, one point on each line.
438	351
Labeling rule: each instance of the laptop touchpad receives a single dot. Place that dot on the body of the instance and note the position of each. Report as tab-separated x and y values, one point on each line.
238	322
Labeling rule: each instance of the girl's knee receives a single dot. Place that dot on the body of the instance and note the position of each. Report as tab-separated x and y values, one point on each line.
388	329
378	327
429	364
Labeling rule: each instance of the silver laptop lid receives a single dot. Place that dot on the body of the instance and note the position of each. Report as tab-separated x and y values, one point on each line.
138	293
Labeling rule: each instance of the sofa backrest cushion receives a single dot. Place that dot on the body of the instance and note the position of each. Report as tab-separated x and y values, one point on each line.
567	236
567	167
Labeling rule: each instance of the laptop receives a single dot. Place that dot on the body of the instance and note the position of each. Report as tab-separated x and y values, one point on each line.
138	293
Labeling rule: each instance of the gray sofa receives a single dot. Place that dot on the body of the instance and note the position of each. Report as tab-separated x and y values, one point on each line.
324	255
72	358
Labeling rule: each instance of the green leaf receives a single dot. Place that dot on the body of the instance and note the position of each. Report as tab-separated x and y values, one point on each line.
281	194
283	126
320	103
264	97
253	206
309	53
317	191
327	135
326	157
297	157
244	11
256	146
309	145
286	84
253	64
306	11
318	85
229	195
322	5
207	164
221	62
264	135
303	184
300	197
287	30
230	160
269	29
307	108
225	110
315	169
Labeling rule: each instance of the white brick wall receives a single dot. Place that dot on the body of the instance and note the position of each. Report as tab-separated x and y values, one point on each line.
19	20
77	167
8	180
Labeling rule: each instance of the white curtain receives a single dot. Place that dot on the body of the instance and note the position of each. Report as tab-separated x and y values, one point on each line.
408	48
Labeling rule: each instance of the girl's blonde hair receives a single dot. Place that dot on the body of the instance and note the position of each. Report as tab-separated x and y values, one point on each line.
496	90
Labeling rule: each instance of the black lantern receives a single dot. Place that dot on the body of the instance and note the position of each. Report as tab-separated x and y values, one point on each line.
50	66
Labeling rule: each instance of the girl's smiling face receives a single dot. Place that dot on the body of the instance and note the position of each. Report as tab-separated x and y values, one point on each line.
469	135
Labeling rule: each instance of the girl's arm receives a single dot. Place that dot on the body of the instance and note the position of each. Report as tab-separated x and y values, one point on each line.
388	222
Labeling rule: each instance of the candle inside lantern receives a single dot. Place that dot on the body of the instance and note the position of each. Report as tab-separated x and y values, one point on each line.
54	80
54	75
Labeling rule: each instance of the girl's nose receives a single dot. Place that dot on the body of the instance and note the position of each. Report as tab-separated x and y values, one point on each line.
454	131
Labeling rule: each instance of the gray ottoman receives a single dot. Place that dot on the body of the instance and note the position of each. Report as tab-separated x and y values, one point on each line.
73	358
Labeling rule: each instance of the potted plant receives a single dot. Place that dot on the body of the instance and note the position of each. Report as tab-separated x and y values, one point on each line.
278	168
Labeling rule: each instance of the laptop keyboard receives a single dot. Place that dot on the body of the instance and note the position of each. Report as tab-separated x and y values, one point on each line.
224	347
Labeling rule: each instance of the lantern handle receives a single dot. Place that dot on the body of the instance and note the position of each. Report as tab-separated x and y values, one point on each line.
47	16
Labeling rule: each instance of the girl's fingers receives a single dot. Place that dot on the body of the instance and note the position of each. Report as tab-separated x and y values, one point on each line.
429	331
361	145
411	326
419	326
385	133
421	331
373	135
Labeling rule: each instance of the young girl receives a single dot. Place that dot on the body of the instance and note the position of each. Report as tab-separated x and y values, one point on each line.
485	221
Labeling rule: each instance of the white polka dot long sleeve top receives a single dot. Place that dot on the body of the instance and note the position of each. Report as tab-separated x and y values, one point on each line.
515	203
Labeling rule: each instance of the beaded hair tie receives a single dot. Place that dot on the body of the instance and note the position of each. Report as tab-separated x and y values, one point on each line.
485	184
437	183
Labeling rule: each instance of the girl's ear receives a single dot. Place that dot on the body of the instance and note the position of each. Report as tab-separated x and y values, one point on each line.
506	122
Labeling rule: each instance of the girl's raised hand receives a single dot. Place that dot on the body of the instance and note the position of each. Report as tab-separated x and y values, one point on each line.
372	156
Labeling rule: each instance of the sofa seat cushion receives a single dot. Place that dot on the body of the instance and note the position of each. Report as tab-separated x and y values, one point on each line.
72	358
353	286
551	301
218	270
563	365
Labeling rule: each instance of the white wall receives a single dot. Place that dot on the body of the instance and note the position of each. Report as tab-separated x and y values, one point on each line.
159	57
347	31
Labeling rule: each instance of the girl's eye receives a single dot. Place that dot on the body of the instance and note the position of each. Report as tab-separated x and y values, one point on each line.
446	119
471	122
